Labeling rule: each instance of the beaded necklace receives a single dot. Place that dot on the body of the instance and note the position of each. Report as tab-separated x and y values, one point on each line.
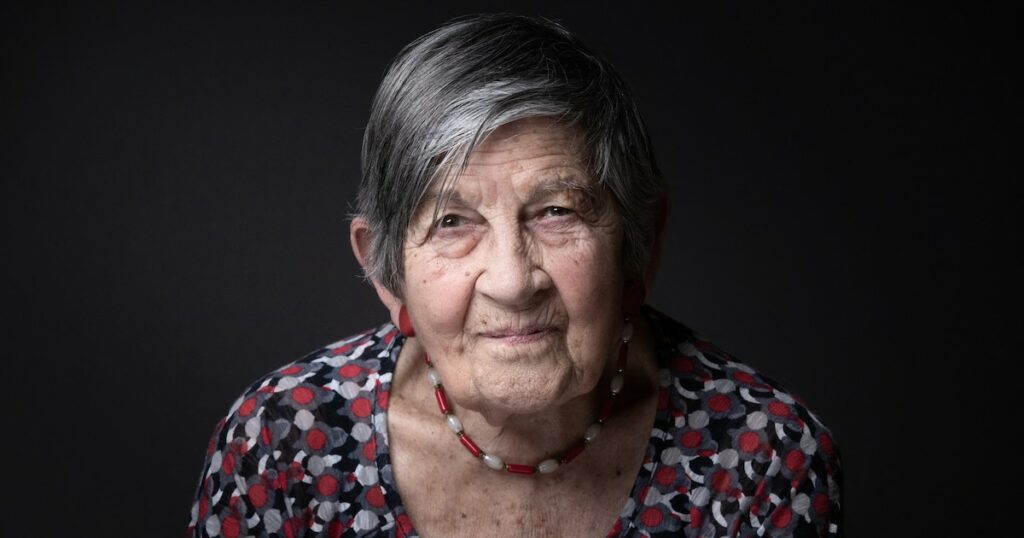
551	464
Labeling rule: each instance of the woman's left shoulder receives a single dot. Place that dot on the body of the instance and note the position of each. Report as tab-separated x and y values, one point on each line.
754	447
717	384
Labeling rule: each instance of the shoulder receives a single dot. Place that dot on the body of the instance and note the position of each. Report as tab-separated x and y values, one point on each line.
749	444
298	436
328	390
343	369
714	386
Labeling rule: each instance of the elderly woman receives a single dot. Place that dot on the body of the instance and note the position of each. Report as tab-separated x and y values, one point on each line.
510	219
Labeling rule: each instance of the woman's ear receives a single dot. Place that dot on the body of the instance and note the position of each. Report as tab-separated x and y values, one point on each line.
361	237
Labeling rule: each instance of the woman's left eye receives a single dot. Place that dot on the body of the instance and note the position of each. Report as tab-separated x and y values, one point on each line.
556	211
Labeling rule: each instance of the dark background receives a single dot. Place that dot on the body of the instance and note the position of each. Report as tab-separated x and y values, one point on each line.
177	180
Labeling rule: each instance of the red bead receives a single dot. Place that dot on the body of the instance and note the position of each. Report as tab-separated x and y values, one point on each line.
518	468
573	451
442	400
606	410
623	355
470	445
404	324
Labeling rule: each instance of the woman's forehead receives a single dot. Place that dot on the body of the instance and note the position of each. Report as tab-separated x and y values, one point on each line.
536	157
538	150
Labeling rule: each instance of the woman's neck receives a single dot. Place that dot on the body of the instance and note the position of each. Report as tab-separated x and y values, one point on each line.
529	439
448	492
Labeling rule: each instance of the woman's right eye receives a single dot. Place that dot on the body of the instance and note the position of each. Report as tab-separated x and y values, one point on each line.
449	221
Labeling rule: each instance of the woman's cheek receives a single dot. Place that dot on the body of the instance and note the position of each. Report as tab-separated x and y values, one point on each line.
583	252
453	278
588	266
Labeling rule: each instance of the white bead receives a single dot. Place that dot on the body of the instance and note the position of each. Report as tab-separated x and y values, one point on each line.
454	424
494	462
547	466
435	378
617	382
627	332
592	432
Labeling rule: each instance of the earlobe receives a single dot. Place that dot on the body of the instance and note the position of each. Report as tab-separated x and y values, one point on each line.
361	237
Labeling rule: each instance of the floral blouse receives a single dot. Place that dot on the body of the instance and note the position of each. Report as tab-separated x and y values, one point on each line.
304	451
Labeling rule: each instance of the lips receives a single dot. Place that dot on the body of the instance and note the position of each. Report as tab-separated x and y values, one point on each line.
504	333
519	334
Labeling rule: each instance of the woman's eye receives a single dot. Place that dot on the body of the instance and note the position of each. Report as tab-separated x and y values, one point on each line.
449	221
556	211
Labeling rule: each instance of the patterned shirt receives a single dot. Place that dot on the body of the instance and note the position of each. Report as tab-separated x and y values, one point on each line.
304	451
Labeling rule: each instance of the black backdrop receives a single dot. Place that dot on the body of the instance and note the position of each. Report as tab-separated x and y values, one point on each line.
177	179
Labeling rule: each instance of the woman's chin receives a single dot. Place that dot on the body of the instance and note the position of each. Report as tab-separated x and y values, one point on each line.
523	351
499	402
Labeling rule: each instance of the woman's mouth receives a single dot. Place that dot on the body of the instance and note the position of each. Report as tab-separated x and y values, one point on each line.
517	336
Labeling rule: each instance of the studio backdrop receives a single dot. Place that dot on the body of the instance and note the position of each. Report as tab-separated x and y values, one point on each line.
179	179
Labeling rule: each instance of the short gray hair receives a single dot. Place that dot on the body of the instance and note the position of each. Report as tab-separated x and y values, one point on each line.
449	89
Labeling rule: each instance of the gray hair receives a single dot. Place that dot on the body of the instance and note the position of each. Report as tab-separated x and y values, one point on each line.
448	90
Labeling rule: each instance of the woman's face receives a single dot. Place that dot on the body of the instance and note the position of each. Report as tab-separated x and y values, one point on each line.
515	289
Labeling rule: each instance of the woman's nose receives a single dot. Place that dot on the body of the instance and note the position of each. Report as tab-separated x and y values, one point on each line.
512	275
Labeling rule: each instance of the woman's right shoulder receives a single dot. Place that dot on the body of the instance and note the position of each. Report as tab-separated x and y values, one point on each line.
278	446
340	369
